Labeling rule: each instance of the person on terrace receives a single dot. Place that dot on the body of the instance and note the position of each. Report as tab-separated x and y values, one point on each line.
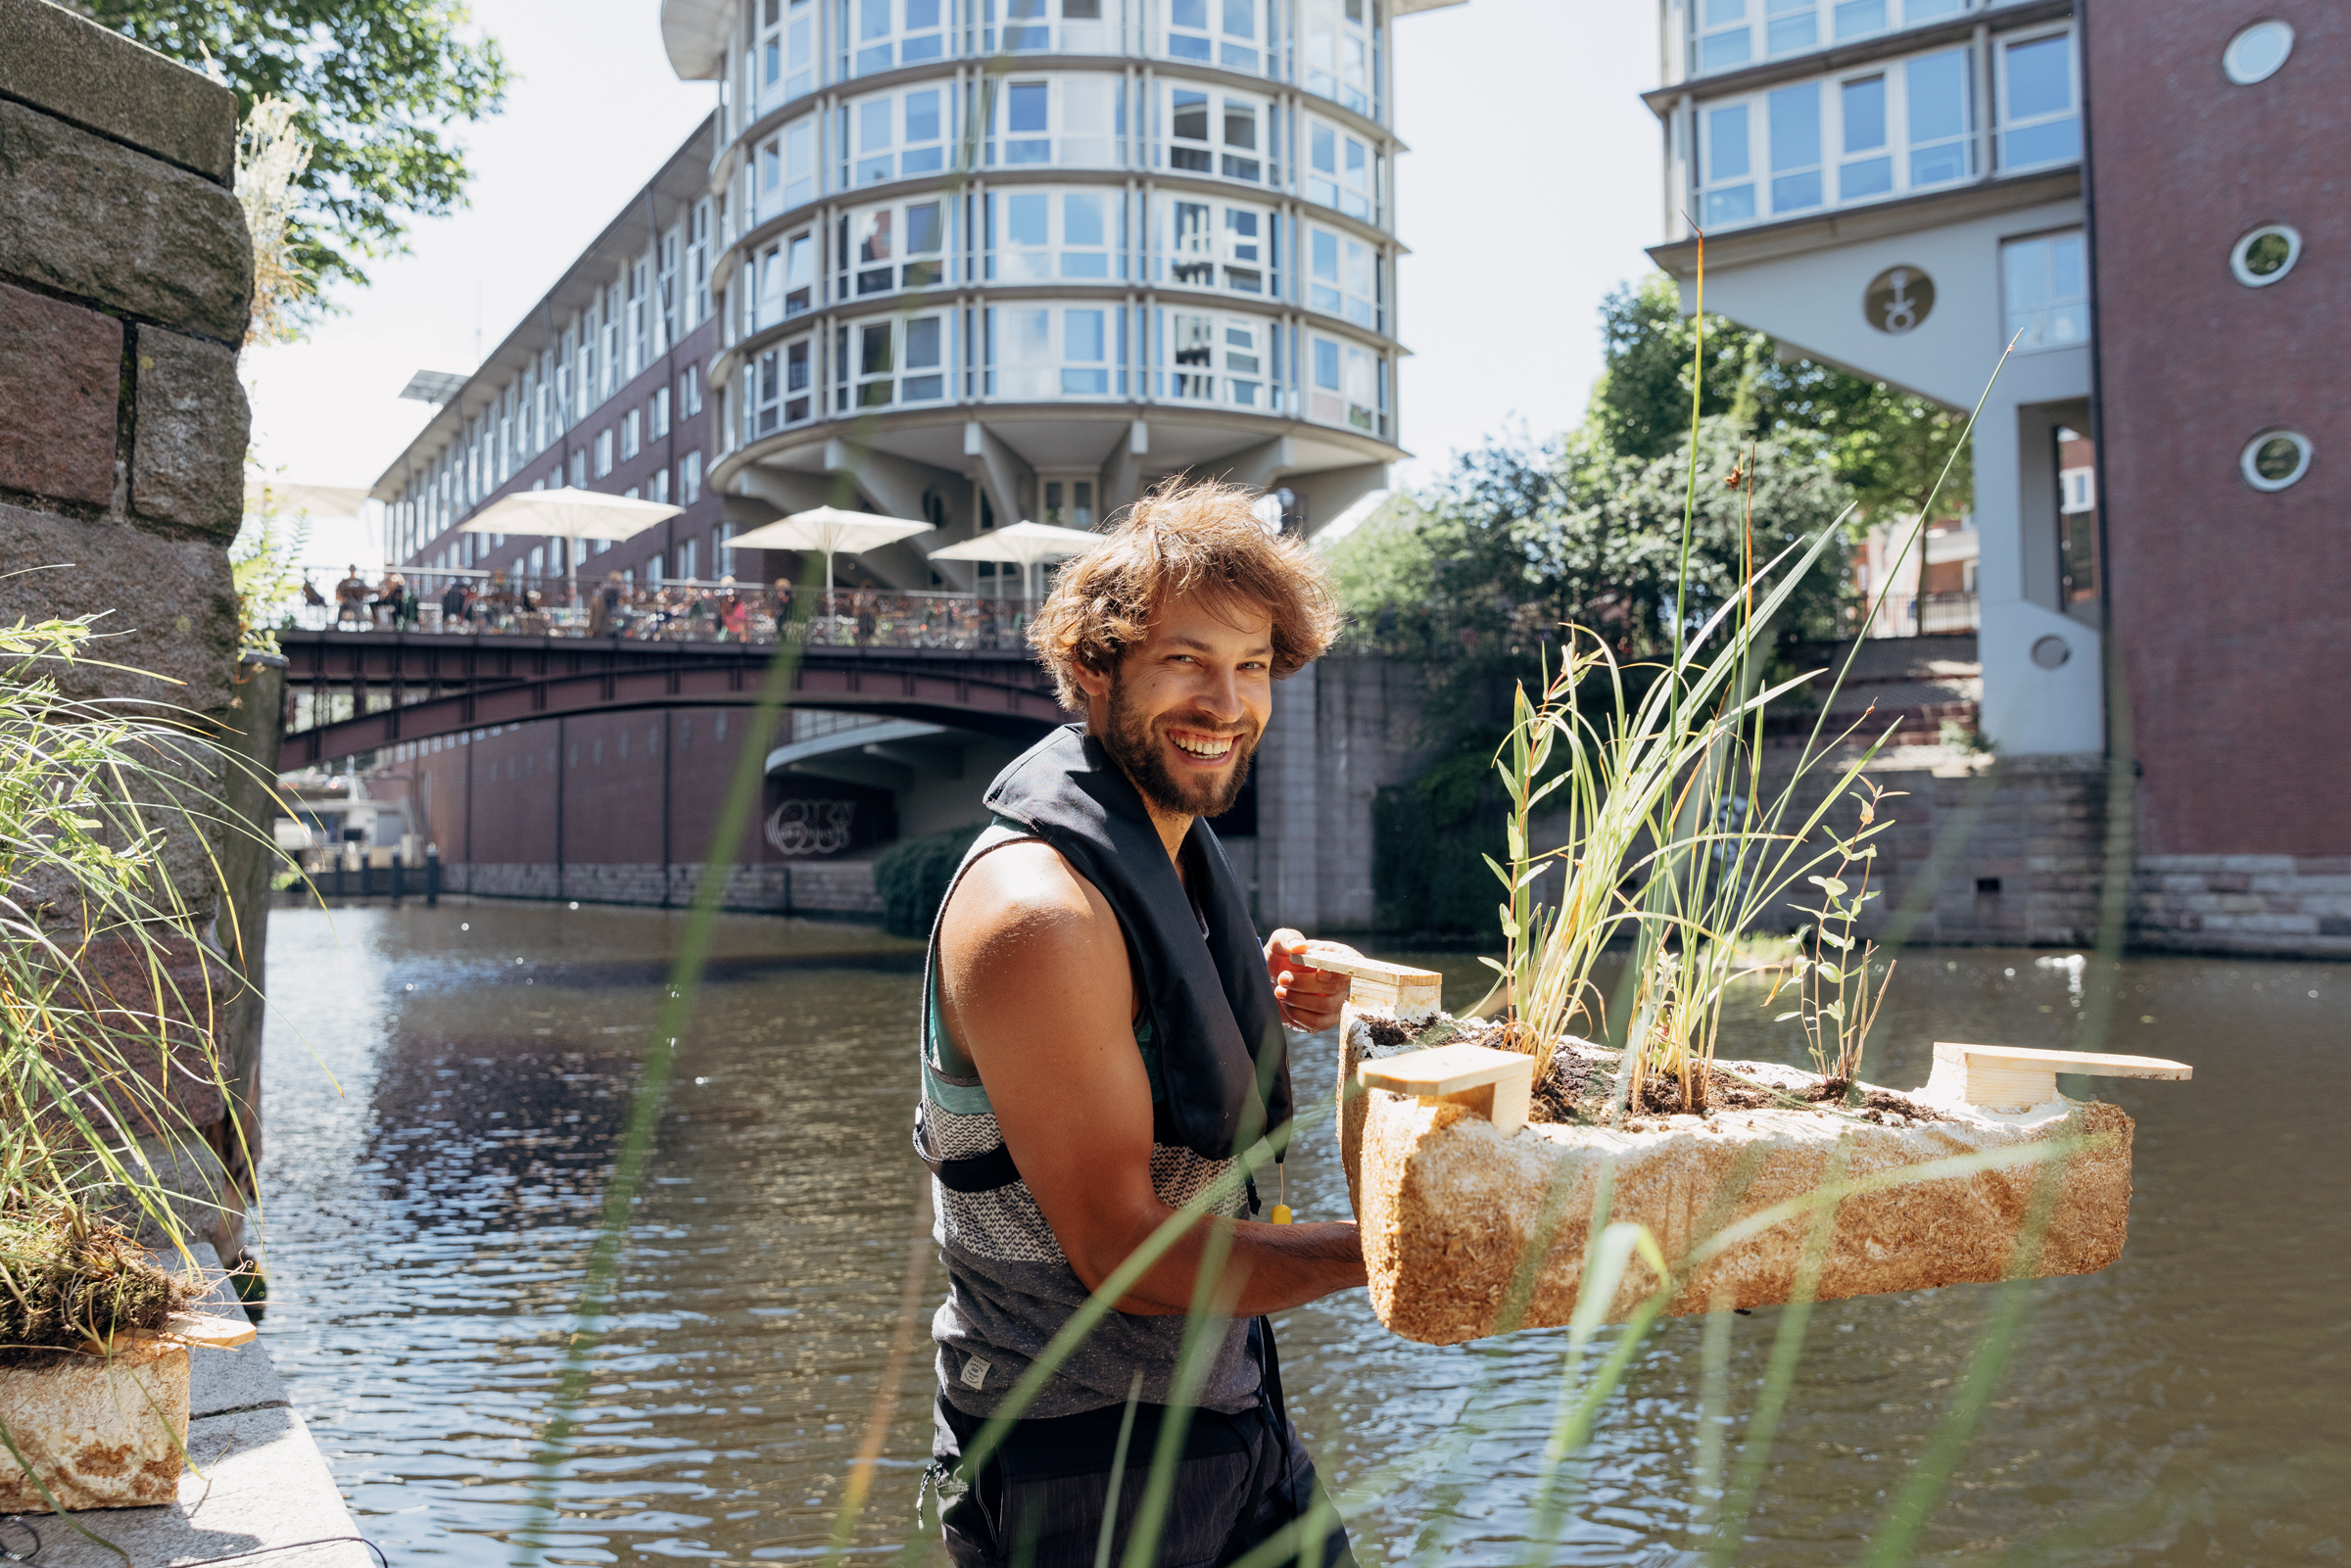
1102	1039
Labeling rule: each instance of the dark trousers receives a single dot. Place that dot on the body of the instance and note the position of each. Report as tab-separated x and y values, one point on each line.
1038	1499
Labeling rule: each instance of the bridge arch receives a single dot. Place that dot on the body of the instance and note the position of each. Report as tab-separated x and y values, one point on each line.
353	692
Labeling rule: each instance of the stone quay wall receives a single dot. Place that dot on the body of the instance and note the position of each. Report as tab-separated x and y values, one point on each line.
837	889
126	285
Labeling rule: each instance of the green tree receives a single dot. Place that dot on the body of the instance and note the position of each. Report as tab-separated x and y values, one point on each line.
376	83
1521	539
1888	445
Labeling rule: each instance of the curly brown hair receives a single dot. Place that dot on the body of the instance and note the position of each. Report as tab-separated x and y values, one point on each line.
1197	537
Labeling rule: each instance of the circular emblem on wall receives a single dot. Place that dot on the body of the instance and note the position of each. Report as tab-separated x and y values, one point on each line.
2051	652
1899	298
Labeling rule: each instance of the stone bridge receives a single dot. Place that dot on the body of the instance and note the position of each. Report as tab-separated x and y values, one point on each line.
348	692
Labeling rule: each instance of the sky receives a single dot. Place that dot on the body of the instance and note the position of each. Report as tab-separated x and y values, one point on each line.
1530	186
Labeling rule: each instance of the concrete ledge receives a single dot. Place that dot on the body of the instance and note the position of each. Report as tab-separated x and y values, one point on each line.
68	65
255	1480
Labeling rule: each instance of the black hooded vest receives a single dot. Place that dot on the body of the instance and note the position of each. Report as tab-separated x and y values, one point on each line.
1222	1057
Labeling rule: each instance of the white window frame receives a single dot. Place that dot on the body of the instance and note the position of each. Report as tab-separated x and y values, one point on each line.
2009	127
911	33
876	141
873	249
782	65
690	479
859	384
784	171
1358	400
1257	162
773	400
788	284
1202	33
1085	120
2058	310
1719	199
660	413
1339	52
632	434
1057	258
604	451
1240	351
1345	277
1726	35
1349	181
1065	362
1051	27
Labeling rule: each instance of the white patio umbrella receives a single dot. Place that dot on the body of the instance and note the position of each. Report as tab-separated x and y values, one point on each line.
320	502
1024	544
829	529
569	514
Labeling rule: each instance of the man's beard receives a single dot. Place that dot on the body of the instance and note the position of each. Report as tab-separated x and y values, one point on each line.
1131	744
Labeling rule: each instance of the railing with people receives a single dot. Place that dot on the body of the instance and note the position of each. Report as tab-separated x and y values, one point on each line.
478	604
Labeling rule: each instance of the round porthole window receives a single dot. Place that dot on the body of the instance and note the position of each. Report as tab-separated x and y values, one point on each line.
2265	254
2051	651
2257	52
2276	459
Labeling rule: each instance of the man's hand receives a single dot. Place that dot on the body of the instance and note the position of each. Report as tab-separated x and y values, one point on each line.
1309	998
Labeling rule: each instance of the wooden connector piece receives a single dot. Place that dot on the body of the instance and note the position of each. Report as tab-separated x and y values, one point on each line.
204	1328
1399	987
1499	1085
2013	1077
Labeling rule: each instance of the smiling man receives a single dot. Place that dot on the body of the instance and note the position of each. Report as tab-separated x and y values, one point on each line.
1102	1036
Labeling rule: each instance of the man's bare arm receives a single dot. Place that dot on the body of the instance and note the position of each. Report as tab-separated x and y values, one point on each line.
1037	989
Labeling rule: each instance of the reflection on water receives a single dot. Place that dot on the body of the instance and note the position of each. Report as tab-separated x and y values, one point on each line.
427	1226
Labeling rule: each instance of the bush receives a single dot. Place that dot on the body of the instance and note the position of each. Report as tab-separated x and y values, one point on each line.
1427	873
912	877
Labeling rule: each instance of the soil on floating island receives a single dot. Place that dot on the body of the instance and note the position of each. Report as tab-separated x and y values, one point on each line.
1580	1088
1450	1204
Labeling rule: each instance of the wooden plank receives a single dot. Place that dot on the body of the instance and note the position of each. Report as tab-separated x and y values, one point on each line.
2093	1063
1498	1085
1357	967
204	1328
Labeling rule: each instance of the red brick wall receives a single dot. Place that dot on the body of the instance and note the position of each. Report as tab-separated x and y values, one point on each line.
2231	608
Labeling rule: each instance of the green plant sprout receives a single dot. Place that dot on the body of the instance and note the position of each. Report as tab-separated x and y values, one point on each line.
1835	1001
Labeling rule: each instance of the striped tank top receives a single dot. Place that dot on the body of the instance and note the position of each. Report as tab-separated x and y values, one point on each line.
1010	1288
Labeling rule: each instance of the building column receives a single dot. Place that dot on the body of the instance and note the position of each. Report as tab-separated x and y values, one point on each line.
1288	809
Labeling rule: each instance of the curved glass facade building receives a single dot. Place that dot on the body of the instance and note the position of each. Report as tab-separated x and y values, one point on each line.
990	259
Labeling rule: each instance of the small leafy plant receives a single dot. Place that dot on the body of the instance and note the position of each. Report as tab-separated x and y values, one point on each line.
1837	1002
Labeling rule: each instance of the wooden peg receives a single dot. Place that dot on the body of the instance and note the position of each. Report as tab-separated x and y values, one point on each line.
1499	1085
2014	1078
1399	987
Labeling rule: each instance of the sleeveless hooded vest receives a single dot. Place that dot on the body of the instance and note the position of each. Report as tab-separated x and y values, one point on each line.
1211	1040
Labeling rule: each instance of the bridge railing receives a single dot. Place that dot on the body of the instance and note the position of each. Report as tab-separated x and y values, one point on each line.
477	604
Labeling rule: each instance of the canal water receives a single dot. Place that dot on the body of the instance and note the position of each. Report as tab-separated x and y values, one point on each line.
443	1087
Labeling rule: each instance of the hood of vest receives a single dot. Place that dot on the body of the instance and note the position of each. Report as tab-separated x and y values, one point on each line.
1223	1058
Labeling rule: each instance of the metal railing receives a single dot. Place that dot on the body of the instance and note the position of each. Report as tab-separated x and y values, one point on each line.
1946	612
473	603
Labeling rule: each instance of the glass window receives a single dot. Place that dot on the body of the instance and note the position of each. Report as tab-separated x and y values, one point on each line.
1039	234
1223	33
2047	290
1338	52
1219	358
1339	171
1728	169
887	248
1858	19
1867	169
1795	114
878	34
631	434
1722	40
1939	118
892	360
1345	385
1245	251
1045	351
784	62
1229	135
786	172
1065	118
1790	26
1191	244
2038	120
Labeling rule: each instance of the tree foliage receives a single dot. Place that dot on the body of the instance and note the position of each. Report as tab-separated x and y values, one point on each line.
377	83
1523	538
1890	445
